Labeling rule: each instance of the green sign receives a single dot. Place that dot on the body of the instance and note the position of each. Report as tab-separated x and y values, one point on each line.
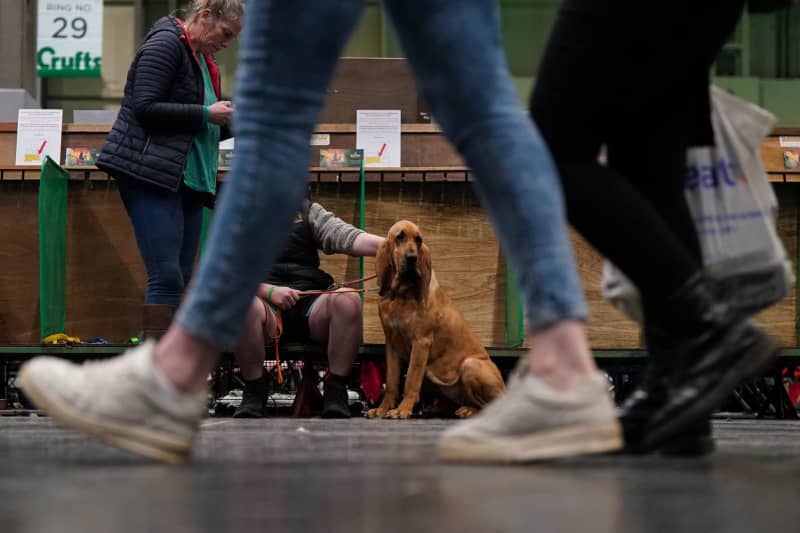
70	38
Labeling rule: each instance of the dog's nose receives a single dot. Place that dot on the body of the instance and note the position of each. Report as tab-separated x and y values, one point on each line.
411	258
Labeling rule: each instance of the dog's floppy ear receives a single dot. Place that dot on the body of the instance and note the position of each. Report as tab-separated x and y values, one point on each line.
384	266
425	265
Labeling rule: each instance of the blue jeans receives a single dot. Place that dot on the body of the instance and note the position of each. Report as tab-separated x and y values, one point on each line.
288	54
167	226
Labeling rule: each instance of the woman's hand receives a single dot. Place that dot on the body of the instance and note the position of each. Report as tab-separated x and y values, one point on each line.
221	112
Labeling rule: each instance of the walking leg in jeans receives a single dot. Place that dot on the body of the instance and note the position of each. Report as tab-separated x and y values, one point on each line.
560	406
280	90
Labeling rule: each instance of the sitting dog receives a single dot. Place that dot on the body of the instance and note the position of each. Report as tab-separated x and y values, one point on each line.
424	327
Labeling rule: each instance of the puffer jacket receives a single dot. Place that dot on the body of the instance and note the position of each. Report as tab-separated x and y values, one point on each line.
162	109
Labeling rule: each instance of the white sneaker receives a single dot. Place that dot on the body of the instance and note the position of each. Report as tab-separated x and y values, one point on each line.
118	401
532	421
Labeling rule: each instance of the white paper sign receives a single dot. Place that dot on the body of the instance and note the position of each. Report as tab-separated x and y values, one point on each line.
38	135
69	40
378	134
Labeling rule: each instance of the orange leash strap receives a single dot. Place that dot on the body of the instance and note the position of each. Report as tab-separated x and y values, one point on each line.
332	292
353	282
275	339
336	287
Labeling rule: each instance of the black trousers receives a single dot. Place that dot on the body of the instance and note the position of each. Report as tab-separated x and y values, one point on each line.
632	76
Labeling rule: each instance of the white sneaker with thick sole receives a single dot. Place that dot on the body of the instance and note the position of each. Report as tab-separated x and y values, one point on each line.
117	401
532	421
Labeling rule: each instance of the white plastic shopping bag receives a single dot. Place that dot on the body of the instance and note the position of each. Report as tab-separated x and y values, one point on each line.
734	208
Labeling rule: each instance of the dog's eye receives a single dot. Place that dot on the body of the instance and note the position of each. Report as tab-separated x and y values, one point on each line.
418	240
400	237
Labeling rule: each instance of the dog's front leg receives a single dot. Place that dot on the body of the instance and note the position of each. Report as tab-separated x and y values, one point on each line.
420	351
392	392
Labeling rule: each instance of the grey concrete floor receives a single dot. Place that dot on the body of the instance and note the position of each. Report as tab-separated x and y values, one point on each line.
277	475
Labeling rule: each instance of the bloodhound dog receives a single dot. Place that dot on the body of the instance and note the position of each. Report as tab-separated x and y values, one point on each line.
424	327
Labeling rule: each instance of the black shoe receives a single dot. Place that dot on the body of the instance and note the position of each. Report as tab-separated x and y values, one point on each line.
254	399
695	441
334	401
708	381
648	397
635	414
711	347
636	411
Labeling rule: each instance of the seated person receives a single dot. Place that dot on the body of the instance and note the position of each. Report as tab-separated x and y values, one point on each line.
334	319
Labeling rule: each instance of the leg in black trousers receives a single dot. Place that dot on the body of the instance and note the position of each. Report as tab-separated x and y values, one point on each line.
622	74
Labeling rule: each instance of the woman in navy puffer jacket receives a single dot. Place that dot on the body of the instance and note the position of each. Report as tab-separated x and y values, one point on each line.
163	146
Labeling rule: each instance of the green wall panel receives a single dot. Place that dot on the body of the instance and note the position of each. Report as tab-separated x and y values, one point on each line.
748	88
366	40
526	27
524	87
781	97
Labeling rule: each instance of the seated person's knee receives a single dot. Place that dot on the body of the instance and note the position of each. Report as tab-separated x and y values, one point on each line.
259	315
347	306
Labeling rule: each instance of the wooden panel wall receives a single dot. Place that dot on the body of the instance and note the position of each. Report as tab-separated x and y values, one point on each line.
19	262
466	257
106	278
780	319
463	246
372	83
422	145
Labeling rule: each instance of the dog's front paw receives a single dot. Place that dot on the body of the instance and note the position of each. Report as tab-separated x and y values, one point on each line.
378	412
401	413
466	412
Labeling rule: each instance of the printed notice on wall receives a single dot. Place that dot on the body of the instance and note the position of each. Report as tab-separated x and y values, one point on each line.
789	142
38	135
378	134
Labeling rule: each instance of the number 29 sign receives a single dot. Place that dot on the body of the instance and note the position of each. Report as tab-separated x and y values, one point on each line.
69	38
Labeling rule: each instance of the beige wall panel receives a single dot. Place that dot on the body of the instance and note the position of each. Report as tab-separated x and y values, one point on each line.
607	327
119	45
779	320
18	45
